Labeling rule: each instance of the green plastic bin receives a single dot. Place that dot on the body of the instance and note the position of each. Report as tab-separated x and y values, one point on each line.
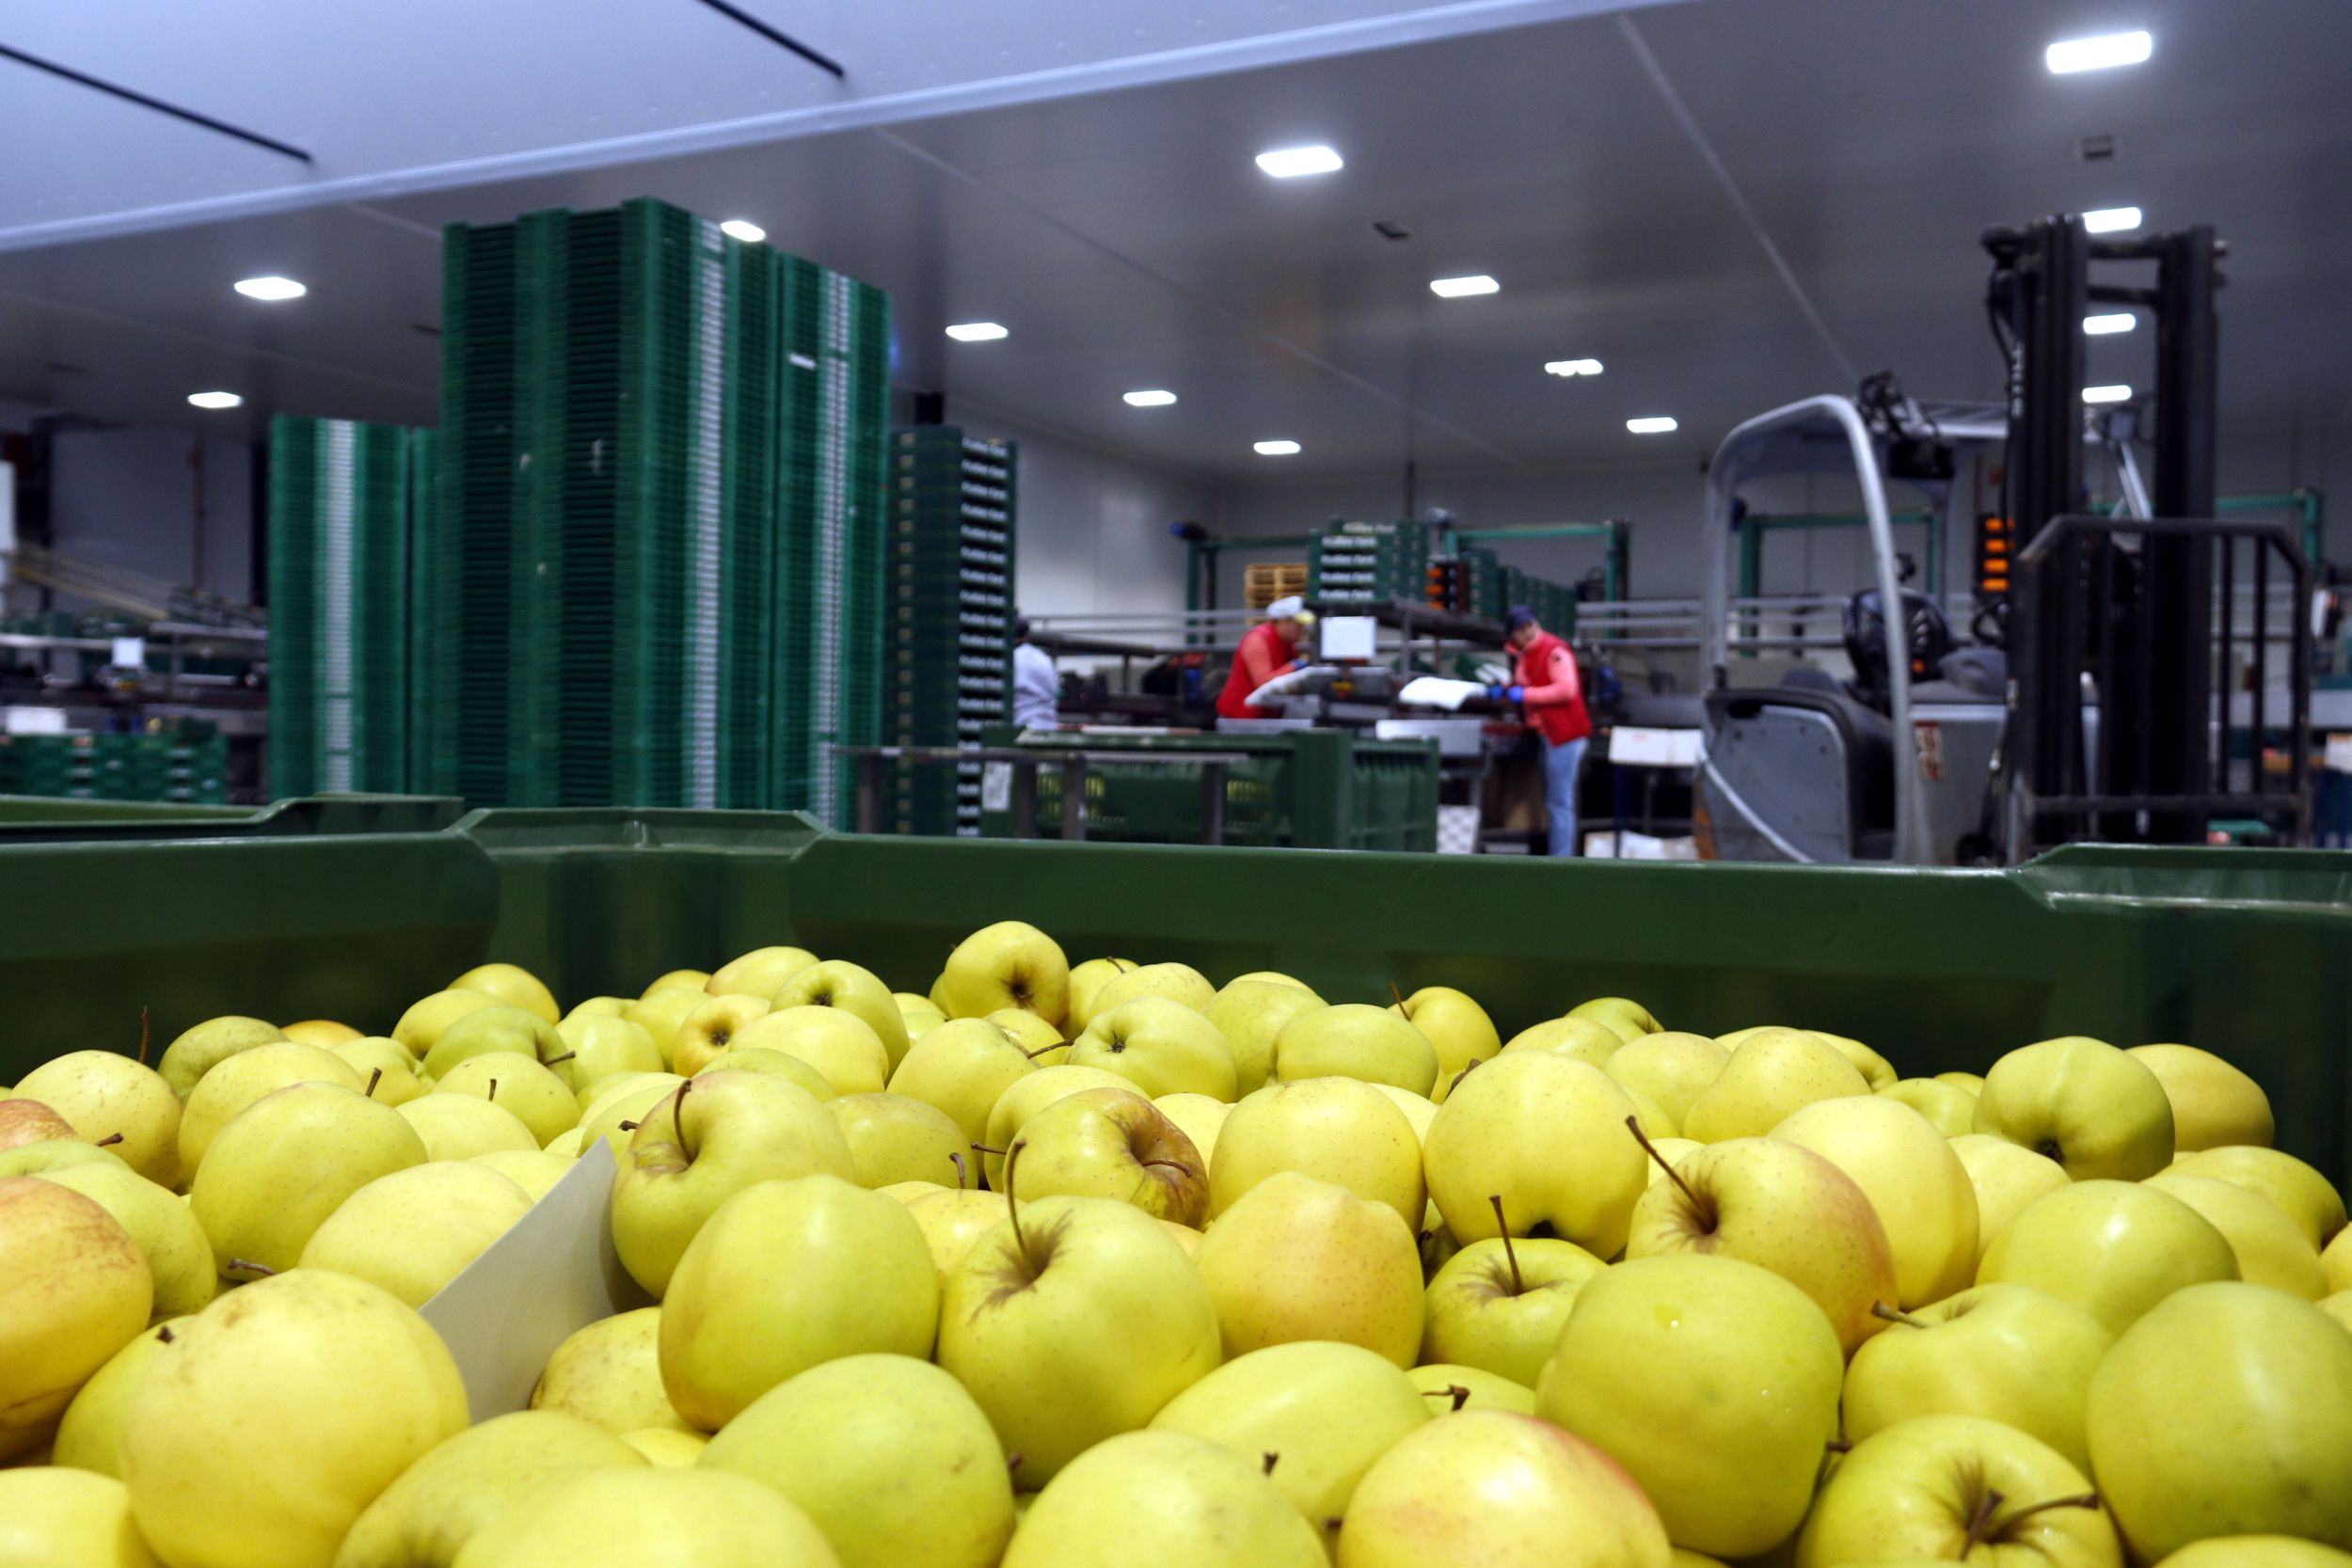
2245	952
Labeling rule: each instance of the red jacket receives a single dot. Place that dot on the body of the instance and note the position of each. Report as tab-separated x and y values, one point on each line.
1554	698
1262	656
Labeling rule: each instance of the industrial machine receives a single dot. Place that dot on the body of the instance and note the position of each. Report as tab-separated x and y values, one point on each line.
1940	752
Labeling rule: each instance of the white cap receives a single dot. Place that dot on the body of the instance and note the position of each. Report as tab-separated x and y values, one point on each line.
1289	607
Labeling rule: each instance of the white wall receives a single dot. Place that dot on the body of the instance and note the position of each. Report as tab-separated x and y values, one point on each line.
132	498
1093	526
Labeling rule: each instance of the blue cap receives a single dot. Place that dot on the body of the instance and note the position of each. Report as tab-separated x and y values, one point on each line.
1519	615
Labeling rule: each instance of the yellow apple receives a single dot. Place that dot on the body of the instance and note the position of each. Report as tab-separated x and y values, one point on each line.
2335	1263
421	1027
1297	1259
1024	1097
1624	1018
921	1014
1499	1304
603	1045
389	1075
1972	1081
516	1085
159	1223
1496	1486
73	1290
1420	1110
502	1031
536	1174
616	1115
2113	1248
48	1154
1276	977
245	1078
610	1373
1546	1133
836	984
1712	1382
1162	1047
1040	1040
887	1454
758	1058
963	1068
69	1518
1457	1025
787	1275
1949	1109
761	972
653	1515
668	1447
952	1218
1176	982
677	979
1114	1144
1667	1153
1250	1013
285	1163
25	1122
2257	1551
661	1011
1784	1208
1325	1411
2226	1410
839	1044
600	1007
198	1049
1770	1074
103	1094
1356	1040
895	1137
1010	964
466	1484
1338	1130
2214	1105
2007	1352
709	1029
1588	1040
277	1414
1950	1488
1085	980
513	985
2007	1177
2270	1248
90	1435
413	1230
321	1032
2308	1198
1916	1184
1163	1496
1075	1319
1672	1068
458	1126
1449	1388
1197	1117
2093	1108
1876	1071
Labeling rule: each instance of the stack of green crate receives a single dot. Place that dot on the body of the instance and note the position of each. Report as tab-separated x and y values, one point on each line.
947	646
1370	562
339	543
1483	569
672	440
189	762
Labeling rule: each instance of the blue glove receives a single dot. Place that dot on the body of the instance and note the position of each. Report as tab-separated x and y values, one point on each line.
1498	692
1515	693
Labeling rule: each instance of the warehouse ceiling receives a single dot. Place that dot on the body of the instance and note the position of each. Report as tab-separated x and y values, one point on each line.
1729	203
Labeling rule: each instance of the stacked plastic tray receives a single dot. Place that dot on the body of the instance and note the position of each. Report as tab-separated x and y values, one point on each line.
673	441
185	763
1369	563
340	499
947	644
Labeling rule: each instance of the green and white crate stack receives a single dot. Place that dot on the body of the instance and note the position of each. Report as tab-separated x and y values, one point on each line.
947	648
1368	562
677	438
341	496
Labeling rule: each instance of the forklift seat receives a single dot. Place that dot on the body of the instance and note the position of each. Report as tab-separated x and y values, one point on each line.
1815	766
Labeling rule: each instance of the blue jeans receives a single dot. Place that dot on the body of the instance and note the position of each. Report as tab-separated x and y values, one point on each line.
1560	765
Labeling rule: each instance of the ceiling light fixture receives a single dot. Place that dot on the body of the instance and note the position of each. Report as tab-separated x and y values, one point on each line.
1276	448
1461	288
2111	220
2118	393
1151	399
1289	163
1651	425
744	229
271	288
2107	325
215	399
977	332
2098	53
1572	367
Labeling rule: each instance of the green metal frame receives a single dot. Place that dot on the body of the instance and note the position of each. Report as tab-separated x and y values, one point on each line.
1616	536
1756	524
2307	504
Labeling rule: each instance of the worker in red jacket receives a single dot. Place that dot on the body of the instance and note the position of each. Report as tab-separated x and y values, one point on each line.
1268	649
1544	683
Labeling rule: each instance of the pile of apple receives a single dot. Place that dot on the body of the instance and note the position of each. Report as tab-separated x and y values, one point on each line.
1060	1266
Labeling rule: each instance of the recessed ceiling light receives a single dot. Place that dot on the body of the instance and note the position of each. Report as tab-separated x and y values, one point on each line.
272	287
2118	393
1276	448
2111	220
2098	53
215	399
1651	425
1572	367
1459	288
976	332
1288	163
2101	326
744	229
1152	399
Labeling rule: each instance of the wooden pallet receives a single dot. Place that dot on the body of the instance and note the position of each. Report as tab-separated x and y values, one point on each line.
1264	581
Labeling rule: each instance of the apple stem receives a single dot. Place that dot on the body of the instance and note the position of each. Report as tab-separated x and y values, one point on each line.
2080	1499
1980	1520
109	1140
1400	1003
1838	1445
1271	1460
678	1116
1880	1309
238	1265
164	1335
1012	1204
1169	1165
375	1076
983	1148
1518	1286
553	1061
957	1160
1057	1045
1475	1063
628	1127
142	1036
1633	1125
1013	1460
493	1090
